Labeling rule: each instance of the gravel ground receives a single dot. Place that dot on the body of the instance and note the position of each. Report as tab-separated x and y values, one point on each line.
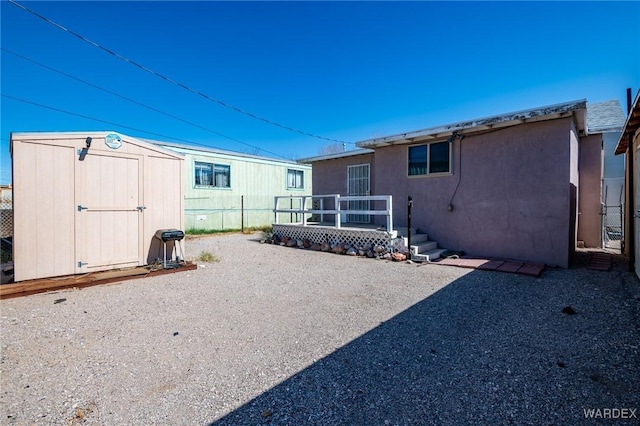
273	335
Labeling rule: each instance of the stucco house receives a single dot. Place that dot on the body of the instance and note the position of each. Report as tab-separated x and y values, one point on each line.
227	190
504	186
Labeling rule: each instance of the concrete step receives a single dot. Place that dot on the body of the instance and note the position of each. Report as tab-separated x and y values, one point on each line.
428	256
423	247
402	231
417	239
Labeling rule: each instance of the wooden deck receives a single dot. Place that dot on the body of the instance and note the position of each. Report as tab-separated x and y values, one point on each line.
345	225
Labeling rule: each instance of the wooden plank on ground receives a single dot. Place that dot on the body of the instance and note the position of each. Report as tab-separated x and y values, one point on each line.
26	288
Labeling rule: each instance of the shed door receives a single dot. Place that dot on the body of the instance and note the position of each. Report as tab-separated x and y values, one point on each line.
358	183
108	221
43	241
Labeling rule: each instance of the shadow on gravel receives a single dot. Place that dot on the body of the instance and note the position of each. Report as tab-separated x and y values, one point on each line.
490	348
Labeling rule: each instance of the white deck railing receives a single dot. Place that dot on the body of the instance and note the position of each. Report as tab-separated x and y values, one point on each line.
338	211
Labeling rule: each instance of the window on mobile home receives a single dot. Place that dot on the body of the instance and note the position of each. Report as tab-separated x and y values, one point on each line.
295	179
212	175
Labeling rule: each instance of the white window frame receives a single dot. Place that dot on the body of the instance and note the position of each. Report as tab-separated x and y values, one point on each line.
428	172
360	204
213	175
297	173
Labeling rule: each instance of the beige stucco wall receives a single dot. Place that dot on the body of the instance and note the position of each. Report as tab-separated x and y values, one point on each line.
574	179
513	197
590	194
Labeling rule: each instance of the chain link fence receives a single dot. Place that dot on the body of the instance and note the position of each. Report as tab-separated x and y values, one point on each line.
234	212
6	225
217	213
612	229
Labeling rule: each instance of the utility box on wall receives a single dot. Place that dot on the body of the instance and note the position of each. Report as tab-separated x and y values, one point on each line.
90	201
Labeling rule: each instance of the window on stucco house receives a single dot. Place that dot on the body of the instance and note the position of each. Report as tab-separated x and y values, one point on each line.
429	159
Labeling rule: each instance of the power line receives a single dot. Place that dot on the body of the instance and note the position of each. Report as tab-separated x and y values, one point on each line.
91	118
170	80
137	102
100	120
171	138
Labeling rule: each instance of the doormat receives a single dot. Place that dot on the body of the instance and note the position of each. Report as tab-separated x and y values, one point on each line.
600	262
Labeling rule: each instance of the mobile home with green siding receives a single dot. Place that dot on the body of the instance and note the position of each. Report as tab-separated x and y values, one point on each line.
226	190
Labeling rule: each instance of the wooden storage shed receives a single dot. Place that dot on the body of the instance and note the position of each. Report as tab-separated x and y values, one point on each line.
90	201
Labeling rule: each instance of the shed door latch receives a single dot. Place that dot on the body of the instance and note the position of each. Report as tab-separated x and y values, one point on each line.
81	264
140	208
80	208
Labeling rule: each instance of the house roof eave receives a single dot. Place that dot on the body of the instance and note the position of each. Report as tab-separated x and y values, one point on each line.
575	108
631	125
333	156
595	130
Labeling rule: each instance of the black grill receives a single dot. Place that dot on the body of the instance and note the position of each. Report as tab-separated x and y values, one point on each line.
169	235
166	235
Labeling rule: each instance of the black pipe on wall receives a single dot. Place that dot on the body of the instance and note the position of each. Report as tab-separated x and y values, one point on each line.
409	206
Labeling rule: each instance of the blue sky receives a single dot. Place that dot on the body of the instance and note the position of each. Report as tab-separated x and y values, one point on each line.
347	71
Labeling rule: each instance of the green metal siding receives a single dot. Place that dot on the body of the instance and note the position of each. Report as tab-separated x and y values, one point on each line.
254	182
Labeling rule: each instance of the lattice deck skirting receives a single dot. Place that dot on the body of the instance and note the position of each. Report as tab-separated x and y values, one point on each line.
353	236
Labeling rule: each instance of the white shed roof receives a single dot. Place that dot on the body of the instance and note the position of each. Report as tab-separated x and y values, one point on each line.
93	134
195	150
